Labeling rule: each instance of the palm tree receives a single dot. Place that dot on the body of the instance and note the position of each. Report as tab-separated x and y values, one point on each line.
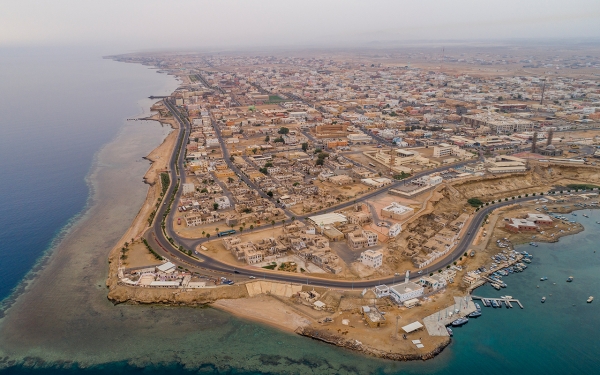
217	230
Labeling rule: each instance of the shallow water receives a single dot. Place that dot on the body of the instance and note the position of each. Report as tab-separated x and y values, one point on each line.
64	322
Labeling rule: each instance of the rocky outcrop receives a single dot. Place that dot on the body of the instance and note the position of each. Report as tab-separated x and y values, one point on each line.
129	294
356	345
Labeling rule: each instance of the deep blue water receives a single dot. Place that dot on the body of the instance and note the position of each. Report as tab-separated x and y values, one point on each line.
57	108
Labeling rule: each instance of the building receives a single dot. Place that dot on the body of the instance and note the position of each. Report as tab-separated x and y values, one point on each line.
395	230
188	188
372	258
397	211
376	182
327	219
520	225
373	317
444	149
540	219
405	291
497	123
434	282
366	238
223	202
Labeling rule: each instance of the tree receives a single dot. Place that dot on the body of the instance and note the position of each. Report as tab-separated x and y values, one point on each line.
254	150
283	130
475	202
304	146
500	98
293	218
267	138
216	229
216	206
319	162
263	170
270	193
232	158
241	230
230	179
251	227
207	235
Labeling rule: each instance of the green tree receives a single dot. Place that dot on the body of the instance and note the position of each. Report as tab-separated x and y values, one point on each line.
283	130
475	202
230	179
267	138
207	235
215	206
270	193
304	146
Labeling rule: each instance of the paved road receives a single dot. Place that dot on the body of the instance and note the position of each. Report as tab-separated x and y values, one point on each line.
158	240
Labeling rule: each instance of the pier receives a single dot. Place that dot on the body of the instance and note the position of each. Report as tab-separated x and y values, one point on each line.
506	299
436	323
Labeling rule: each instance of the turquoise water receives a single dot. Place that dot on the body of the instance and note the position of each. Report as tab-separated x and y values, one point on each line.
551	338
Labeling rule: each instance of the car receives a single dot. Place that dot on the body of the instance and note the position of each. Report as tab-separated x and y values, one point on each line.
252	277
468	233
420	272
236	271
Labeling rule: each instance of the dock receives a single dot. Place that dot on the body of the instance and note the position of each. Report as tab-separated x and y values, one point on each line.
436	323
506	299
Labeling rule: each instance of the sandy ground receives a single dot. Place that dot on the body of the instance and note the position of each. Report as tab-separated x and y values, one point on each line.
264	309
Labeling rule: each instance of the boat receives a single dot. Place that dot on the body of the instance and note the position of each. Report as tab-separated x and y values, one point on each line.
533	244
589	300
570	279
477	306
485	302
459	322
543	278
584	215
474	314
526	260
494	303
449	331
496	286
543	299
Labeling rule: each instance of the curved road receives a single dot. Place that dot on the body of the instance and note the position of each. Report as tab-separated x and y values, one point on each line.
159	241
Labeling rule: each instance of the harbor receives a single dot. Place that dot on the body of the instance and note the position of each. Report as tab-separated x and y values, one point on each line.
436	323
497	302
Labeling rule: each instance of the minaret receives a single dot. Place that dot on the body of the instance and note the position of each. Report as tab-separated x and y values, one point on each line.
407	276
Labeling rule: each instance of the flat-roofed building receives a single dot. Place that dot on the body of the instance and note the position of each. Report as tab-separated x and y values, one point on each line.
405	291
372	258
397	211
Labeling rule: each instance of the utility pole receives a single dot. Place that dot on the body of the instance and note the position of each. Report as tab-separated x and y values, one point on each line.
397	317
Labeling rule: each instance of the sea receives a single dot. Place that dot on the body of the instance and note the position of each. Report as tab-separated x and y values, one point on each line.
71	169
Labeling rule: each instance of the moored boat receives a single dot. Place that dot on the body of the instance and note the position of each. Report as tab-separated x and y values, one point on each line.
449	331
569	279
543	299
474	314
589	300
459	322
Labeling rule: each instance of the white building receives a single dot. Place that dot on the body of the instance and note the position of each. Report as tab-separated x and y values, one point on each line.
359	137
376	182
223	202
405	291
372	258
395	230
188	188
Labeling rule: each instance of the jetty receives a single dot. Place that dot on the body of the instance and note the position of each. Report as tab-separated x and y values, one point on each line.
506	299
436	323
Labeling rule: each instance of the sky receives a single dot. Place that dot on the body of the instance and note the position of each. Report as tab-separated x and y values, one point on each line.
153	24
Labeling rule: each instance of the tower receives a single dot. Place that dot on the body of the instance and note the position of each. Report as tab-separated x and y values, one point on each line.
534	142
550	135
407	276
543	89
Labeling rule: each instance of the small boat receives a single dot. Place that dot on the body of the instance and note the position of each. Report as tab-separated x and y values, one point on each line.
449	331
526	260
474	314
584	215
597	222
496	286
477	307
533	244
543	278
486	303
589	300
494	303
459	322
543	299
570	279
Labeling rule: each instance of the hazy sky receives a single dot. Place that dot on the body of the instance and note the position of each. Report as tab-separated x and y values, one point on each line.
149	24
